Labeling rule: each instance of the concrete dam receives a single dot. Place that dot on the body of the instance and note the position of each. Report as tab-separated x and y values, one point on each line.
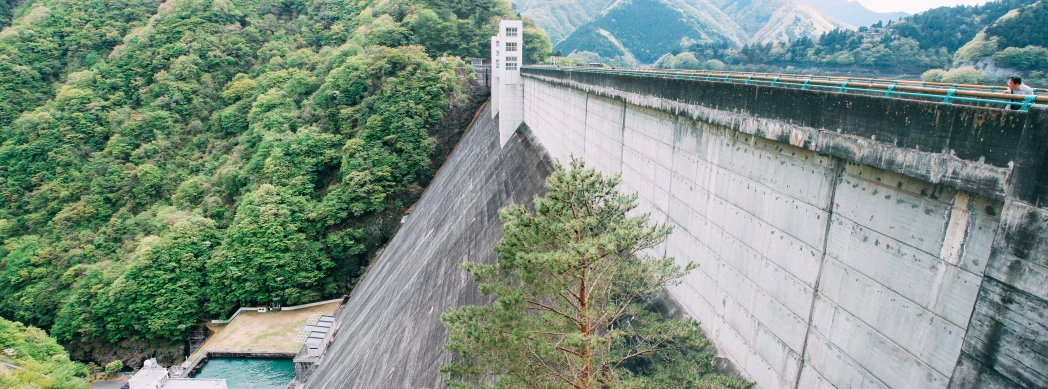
843	240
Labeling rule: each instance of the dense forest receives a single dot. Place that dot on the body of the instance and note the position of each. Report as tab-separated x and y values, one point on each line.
32	360
943	38
165	163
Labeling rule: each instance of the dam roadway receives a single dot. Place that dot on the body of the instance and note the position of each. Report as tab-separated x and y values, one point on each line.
843	239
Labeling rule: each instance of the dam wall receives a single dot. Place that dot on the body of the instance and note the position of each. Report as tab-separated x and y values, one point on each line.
842	240
389	333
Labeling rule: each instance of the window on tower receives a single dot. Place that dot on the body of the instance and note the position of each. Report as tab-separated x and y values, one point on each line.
511	46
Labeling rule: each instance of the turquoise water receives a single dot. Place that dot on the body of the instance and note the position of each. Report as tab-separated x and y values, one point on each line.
250	373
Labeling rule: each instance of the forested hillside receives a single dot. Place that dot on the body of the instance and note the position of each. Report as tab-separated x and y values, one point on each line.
29	359
910	45
1016	43
162	164
7	9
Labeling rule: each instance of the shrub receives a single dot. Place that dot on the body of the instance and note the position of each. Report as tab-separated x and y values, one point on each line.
964	75
114	367
934	75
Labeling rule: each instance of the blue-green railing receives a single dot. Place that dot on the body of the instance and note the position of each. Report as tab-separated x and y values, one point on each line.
941	92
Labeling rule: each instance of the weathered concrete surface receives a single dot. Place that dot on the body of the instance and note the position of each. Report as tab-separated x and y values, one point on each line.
968	148
843	241
389	334
1007	341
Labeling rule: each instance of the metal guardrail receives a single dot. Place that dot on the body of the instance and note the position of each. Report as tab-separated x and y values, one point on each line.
942	92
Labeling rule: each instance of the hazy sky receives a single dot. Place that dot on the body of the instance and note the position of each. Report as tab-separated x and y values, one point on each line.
913	6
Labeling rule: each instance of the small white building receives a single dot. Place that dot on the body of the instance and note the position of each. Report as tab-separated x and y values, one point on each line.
154	376
507	90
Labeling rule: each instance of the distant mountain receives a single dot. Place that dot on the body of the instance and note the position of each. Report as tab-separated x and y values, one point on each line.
767	21
560	17
852	12
998	39
646	29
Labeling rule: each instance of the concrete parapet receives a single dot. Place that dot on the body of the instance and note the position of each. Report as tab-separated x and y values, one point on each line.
842	240
990	152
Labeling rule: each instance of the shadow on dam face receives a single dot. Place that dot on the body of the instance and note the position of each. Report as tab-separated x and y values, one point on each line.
389	333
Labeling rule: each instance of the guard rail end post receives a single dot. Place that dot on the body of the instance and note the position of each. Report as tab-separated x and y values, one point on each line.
1027	102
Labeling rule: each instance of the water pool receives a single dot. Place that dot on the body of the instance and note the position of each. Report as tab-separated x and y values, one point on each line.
250	373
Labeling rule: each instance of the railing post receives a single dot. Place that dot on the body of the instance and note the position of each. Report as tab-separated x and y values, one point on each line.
888	94
949	96
844	86
805	86
775	82
1027	102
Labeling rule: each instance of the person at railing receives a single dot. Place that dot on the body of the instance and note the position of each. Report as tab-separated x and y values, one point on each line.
1016	87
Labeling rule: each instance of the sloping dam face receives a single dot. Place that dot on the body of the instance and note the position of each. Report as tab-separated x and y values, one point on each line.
389	333
842	240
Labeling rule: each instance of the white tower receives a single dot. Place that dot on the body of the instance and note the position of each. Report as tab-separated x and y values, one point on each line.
496	70
507	90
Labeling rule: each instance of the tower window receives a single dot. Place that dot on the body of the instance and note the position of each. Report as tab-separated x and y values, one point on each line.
511	31
511	46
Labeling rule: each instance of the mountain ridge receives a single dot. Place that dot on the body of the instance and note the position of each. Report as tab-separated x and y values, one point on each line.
852	12
647	29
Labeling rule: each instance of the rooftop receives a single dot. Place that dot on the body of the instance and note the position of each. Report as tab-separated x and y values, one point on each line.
193	383
270	332
153	376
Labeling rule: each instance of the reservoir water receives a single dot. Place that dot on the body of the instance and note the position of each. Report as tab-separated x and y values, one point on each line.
250	373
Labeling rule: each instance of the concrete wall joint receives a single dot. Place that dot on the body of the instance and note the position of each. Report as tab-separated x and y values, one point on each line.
837	178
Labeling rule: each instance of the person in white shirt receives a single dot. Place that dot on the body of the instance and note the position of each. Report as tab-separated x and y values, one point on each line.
1016	87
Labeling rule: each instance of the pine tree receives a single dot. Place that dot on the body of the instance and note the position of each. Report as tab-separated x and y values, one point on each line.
569	290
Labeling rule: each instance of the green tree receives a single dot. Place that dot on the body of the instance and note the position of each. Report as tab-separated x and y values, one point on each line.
568	291
1026	58
114	367
45	364
964	75
537	45
687	61
933	75
267	253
